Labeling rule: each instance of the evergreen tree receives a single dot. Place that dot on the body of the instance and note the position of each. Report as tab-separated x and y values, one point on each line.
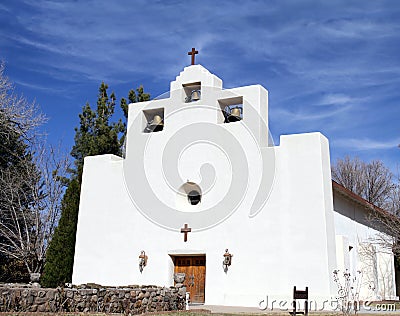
60	255
96	135
133	97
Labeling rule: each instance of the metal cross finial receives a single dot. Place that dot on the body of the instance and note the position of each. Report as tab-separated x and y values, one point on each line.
193	52
185	230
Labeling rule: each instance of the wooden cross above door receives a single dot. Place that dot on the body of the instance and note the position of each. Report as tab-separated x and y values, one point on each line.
185	230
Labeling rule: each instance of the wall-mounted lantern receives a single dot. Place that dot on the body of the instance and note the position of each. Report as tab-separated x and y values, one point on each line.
142	261
227	260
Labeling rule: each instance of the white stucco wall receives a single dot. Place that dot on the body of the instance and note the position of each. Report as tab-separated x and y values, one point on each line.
354	229
290	241
283	246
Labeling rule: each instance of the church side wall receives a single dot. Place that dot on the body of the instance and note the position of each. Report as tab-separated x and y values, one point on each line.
105	225
361	251
329	213
305	174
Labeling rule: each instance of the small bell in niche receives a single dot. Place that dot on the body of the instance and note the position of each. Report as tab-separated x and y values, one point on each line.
234	115
195	95
155	125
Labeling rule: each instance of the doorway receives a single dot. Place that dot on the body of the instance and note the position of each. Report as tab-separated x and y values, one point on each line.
194	268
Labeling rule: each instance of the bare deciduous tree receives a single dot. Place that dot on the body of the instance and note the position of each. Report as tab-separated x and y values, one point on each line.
349	173
30	181
390	224
377	184
19	115
372	181
27	228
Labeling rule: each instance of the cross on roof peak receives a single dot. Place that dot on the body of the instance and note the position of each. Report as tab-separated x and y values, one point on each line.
193	52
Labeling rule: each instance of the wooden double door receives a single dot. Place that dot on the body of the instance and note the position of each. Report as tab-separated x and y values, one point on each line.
194	268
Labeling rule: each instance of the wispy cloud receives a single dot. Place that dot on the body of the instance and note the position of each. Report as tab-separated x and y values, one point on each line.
4	8
305	114
46	88
337	99
331	66
359	29
366	144
134	41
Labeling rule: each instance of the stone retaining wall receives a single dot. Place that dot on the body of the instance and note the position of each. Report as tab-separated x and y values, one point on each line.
91	298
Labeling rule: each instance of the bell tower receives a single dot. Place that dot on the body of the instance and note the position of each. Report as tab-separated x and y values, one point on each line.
195	96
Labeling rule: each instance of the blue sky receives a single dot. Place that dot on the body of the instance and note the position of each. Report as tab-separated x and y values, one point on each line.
329	66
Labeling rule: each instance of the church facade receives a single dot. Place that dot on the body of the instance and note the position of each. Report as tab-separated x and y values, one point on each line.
202	190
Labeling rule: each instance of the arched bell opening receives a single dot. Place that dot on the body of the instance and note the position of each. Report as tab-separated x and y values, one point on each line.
233	114
232	110
153	120
192	92
189	197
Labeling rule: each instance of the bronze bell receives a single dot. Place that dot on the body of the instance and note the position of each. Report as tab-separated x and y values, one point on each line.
234	116
194	197
156	124
195	96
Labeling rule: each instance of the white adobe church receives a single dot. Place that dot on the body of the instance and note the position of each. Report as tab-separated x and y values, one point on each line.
203	190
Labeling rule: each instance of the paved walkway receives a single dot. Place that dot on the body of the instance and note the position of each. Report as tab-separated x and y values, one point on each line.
254	310
232	309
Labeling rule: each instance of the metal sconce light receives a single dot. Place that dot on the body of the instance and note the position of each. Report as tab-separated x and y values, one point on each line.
227	260
142	261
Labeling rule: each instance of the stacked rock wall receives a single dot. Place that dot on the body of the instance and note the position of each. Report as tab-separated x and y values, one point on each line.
91	298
